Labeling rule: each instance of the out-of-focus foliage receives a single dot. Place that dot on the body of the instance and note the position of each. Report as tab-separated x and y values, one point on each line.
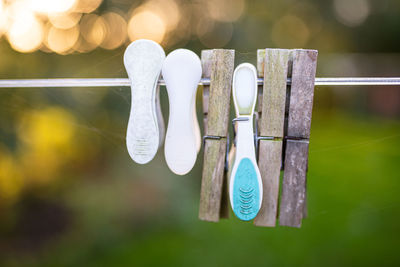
71	196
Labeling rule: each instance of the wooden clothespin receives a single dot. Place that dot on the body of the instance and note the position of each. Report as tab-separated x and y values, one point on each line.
300	102
218	65
284	125
273	66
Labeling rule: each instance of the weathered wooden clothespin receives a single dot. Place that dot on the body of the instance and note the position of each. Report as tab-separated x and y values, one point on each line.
218	65
273	66
293	200
284	123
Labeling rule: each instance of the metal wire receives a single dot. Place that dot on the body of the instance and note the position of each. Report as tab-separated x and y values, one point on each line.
357	81
118	82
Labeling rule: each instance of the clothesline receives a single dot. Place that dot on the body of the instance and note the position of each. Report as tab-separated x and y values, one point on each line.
117	82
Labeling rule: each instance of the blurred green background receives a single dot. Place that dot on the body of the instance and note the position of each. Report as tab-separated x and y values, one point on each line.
71	196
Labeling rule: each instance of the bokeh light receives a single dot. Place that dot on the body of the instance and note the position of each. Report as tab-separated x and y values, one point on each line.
309	14
25	33
62	41
10	177
3	18
168	22
167	10
86	6
214	34
82	46
45	135
26	25
352	13
146	24
116	32
93	29
290	31
183	30
225	10
45	129
51	6
64	20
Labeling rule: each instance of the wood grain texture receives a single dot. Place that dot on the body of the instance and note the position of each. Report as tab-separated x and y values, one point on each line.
274	92
220	92
206	62
294	183
206	96
269	163
217	65
302	92
293	201
212	180
273	64
225	203
205	122
260	74
260	62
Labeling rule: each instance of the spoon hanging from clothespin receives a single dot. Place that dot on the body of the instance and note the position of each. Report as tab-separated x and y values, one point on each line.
245	185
